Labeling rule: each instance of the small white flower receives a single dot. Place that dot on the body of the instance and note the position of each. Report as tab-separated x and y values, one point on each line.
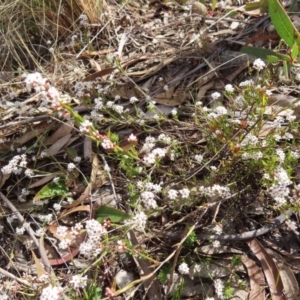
71	167
78	281
183	268
199	158
229	88
132	138
56	179
172	194
133	100
85	126
185	193
268	93
57	206
259	64
77	159
166	87
215	95
174	111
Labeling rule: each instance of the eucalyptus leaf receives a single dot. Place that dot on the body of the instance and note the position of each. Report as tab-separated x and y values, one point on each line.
106	212
51	190
283	25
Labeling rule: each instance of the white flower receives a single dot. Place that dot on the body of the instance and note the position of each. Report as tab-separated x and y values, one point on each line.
132	138
133	100
246	83
174	111
107	144
77	159
215	95
51	292
78	281
199	158
281	155
57	206
229	88
172	194
183	268
71	166
166	87
140	220
185	193
220	111
85	126
268	93
259	64
219	287
159	152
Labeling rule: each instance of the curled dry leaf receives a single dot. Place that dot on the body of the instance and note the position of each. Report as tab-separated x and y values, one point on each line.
270	270
257	279
290	284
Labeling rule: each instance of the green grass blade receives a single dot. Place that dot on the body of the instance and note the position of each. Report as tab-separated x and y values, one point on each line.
283	24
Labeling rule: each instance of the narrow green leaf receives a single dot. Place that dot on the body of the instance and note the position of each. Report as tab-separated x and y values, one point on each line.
272	59
295	51
51	190
260	52
283	25
262	5
106	212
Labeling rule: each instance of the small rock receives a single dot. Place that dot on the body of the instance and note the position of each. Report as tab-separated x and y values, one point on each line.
123	278
199	8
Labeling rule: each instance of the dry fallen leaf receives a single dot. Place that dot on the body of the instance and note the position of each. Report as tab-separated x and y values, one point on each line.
257	279
270	270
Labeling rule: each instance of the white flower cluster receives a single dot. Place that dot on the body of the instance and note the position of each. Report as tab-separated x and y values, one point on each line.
259	64
48	92
229	88
67	235
183	268
152	155
51	292
246	83
255	155
92	247
198	158
249	139
219	287
85	126
138	221
78	281
216	191
183	193
15	165
280	155
280	190
147	197
217	112
83	20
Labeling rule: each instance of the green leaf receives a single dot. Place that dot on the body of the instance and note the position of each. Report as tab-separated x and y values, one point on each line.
295	51
262	5
51	190
272	59
104	212
71	153
284	26
260	52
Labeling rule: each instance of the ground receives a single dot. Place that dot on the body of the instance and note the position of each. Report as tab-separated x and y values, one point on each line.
145	154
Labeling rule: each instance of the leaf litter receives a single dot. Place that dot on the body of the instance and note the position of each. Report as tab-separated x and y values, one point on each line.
160	50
